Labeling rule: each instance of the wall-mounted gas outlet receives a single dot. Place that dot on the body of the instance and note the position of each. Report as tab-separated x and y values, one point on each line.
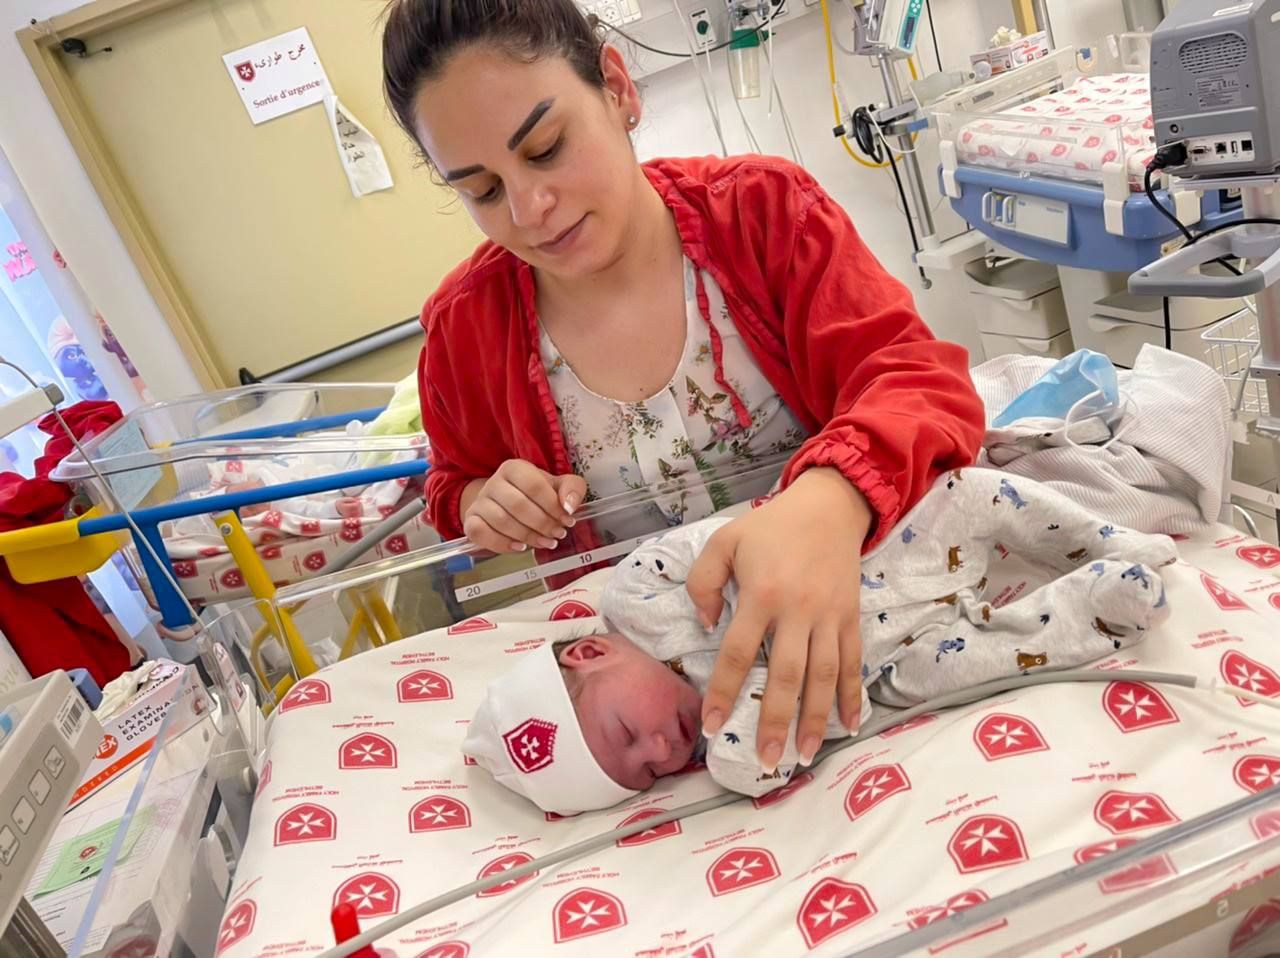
704	31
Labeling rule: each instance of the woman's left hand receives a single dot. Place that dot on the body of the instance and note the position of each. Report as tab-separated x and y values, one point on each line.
796	560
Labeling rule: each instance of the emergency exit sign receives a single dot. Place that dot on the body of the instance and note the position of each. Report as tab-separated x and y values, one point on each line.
277	76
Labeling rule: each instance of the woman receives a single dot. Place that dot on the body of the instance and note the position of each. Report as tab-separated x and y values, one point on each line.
625	321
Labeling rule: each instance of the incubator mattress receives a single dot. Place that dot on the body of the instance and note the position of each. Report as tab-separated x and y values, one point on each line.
365	799
1071	134
297	538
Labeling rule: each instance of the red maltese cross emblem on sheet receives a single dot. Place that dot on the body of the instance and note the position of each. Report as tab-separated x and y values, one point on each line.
439	813
371	895
499	865
1257	773
1120	812
307	692
986	841
367	750
1003	736
1134	706
873	786
424	686
740	868
237	925
665	830
307	822
1239	670
832	906
585	911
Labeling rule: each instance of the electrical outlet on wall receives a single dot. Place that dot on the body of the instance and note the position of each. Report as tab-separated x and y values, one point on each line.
704	31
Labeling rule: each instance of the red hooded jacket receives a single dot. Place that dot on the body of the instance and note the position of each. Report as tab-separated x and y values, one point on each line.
837	337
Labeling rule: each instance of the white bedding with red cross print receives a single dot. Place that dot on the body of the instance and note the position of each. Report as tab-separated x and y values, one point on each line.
365	799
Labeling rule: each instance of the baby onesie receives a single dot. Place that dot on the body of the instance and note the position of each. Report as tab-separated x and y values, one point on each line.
926	627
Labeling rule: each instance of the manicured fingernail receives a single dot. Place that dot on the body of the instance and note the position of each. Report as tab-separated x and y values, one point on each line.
769	757
545	543
561	533
712	723
519	546
570	503
809	748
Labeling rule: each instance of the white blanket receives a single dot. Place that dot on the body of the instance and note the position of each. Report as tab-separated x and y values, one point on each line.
1165	470
365	799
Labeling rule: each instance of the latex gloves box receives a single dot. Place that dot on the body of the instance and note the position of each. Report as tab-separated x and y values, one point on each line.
129	734
1010	56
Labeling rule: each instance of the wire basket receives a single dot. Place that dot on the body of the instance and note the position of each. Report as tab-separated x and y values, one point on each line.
1230	346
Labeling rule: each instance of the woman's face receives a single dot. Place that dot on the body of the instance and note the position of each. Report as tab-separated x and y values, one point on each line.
541	159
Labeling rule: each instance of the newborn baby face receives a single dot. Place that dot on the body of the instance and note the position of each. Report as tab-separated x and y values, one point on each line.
641	720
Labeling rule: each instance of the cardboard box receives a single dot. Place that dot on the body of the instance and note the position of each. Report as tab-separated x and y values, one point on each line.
128	735
1013	55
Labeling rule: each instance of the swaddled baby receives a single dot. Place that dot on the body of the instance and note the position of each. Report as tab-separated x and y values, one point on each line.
591	721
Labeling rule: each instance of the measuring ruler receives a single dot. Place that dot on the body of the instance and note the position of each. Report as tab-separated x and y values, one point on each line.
548	569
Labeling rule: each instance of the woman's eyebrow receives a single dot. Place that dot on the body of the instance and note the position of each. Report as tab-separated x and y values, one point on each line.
529	123
464	172
517	137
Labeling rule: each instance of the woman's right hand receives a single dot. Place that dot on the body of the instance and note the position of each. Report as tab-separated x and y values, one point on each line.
519	506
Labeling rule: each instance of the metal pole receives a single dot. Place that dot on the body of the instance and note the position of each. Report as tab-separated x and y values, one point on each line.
1262	202
915	182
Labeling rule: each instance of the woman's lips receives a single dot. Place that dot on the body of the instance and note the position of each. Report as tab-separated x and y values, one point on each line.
563	241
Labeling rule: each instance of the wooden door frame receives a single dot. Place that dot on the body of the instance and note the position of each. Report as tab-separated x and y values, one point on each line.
41	42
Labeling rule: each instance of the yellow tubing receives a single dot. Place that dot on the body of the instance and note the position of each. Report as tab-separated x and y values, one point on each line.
835	103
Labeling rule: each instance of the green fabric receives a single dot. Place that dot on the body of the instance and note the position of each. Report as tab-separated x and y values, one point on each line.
403	415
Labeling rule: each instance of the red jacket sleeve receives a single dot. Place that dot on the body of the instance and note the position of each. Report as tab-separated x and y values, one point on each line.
460	428
899	406
445	480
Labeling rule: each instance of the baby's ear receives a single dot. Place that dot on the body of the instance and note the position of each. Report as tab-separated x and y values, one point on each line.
584	652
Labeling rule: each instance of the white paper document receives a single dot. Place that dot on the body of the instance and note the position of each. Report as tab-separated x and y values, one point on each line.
361	156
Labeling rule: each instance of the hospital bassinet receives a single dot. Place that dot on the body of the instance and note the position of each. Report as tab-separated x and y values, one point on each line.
295	462
1049	161
1068	819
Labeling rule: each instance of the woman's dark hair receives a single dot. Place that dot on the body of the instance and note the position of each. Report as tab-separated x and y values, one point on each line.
421	36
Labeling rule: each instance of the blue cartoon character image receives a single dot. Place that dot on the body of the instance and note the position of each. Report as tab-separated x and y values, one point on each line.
68	355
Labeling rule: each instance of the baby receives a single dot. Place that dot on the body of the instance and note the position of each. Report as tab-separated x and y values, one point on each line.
591	721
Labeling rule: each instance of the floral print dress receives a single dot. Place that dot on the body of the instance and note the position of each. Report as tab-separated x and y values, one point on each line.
688	426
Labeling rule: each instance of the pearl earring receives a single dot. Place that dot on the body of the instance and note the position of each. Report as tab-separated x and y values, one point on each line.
631	120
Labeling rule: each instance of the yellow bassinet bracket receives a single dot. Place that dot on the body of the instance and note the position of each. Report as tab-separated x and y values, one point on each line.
56	550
